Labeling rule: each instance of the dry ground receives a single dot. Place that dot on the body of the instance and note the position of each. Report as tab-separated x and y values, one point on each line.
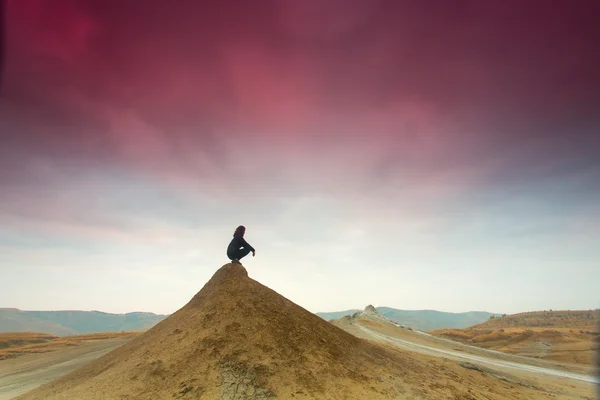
14	344
28	371
530	382
565	336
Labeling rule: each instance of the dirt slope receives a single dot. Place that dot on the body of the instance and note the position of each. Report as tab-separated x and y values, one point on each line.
237	339
543	378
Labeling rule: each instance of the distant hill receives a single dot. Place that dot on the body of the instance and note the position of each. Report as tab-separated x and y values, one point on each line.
336	314
578	319
424	320
65	323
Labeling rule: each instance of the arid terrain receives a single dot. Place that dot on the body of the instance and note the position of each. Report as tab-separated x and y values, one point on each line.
565	336
237	339
24	370
15	344
554	378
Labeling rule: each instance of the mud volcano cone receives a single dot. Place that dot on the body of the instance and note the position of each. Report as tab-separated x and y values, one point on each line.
237	339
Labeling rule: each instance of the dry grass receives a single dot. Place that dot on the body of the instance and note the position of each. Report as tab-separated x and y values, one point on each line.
15	339
13	344
491	337
516	334
105	335
565	336
586	320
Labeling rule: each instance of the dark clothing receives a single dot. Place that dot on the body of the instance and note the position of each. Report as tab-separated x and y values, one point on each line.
238	248
238	254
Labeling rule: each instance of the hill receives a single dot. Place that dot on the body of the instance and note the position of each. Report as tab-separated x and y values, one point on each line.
579	319
565	336
423	320
237	339
65	323
329	316
14	320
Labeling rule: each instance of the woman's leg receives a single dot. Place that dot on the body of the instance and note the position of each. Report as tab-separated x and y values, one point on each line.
241	253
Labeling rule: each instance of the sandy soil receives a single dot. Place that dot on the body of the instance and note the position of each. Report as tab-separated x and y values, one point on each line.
548	379
383	325
567	345
22	374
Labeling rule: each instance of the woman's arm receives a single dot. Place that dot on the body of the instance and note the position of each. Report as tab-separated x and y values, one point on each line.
247	245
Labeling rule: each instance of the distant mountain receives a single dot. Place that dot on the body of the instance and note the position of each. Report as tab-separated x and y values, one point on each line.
423	320
14	320
64	323
336	314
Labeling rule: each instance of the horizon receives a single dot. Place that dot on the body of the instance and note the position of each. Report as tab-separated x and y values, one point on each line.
317	312
423	155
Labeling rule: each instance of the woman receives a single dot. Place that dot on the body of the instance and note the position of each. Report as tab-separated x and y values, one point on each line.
238	247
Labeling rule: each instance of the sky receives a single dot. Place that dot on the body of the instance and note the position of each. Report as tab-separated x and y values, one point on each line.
416	155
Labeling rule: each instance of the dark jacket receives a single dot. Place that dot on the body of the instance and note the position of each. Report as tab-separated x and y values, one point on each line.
236	243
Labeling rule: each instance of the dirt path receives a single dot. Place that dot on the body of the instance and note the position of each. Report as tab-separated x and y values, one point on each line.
21	374
461	356
521	359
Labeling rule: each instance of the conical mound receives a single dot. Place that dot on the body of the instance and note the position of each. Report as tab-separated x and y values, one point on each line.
237	339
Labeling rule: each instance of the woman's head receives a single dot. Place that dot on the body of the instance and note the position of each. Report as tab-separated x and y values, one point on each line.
240	230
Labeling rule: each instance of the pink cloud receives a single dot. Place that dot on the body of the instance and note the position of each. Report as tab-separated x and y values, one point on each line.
324	21
60	30
272	92
313	94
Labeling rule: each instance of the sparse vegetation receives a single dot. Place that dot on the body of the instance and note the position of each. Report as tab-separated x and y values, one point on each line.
13	344
584	320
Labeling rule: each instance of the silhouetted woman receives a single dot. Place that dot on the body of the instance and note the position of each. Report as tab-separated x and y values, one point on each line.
238	247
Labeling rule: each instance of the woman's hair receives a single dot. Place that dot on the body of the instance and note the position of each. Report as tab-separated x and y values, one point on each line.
240	230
